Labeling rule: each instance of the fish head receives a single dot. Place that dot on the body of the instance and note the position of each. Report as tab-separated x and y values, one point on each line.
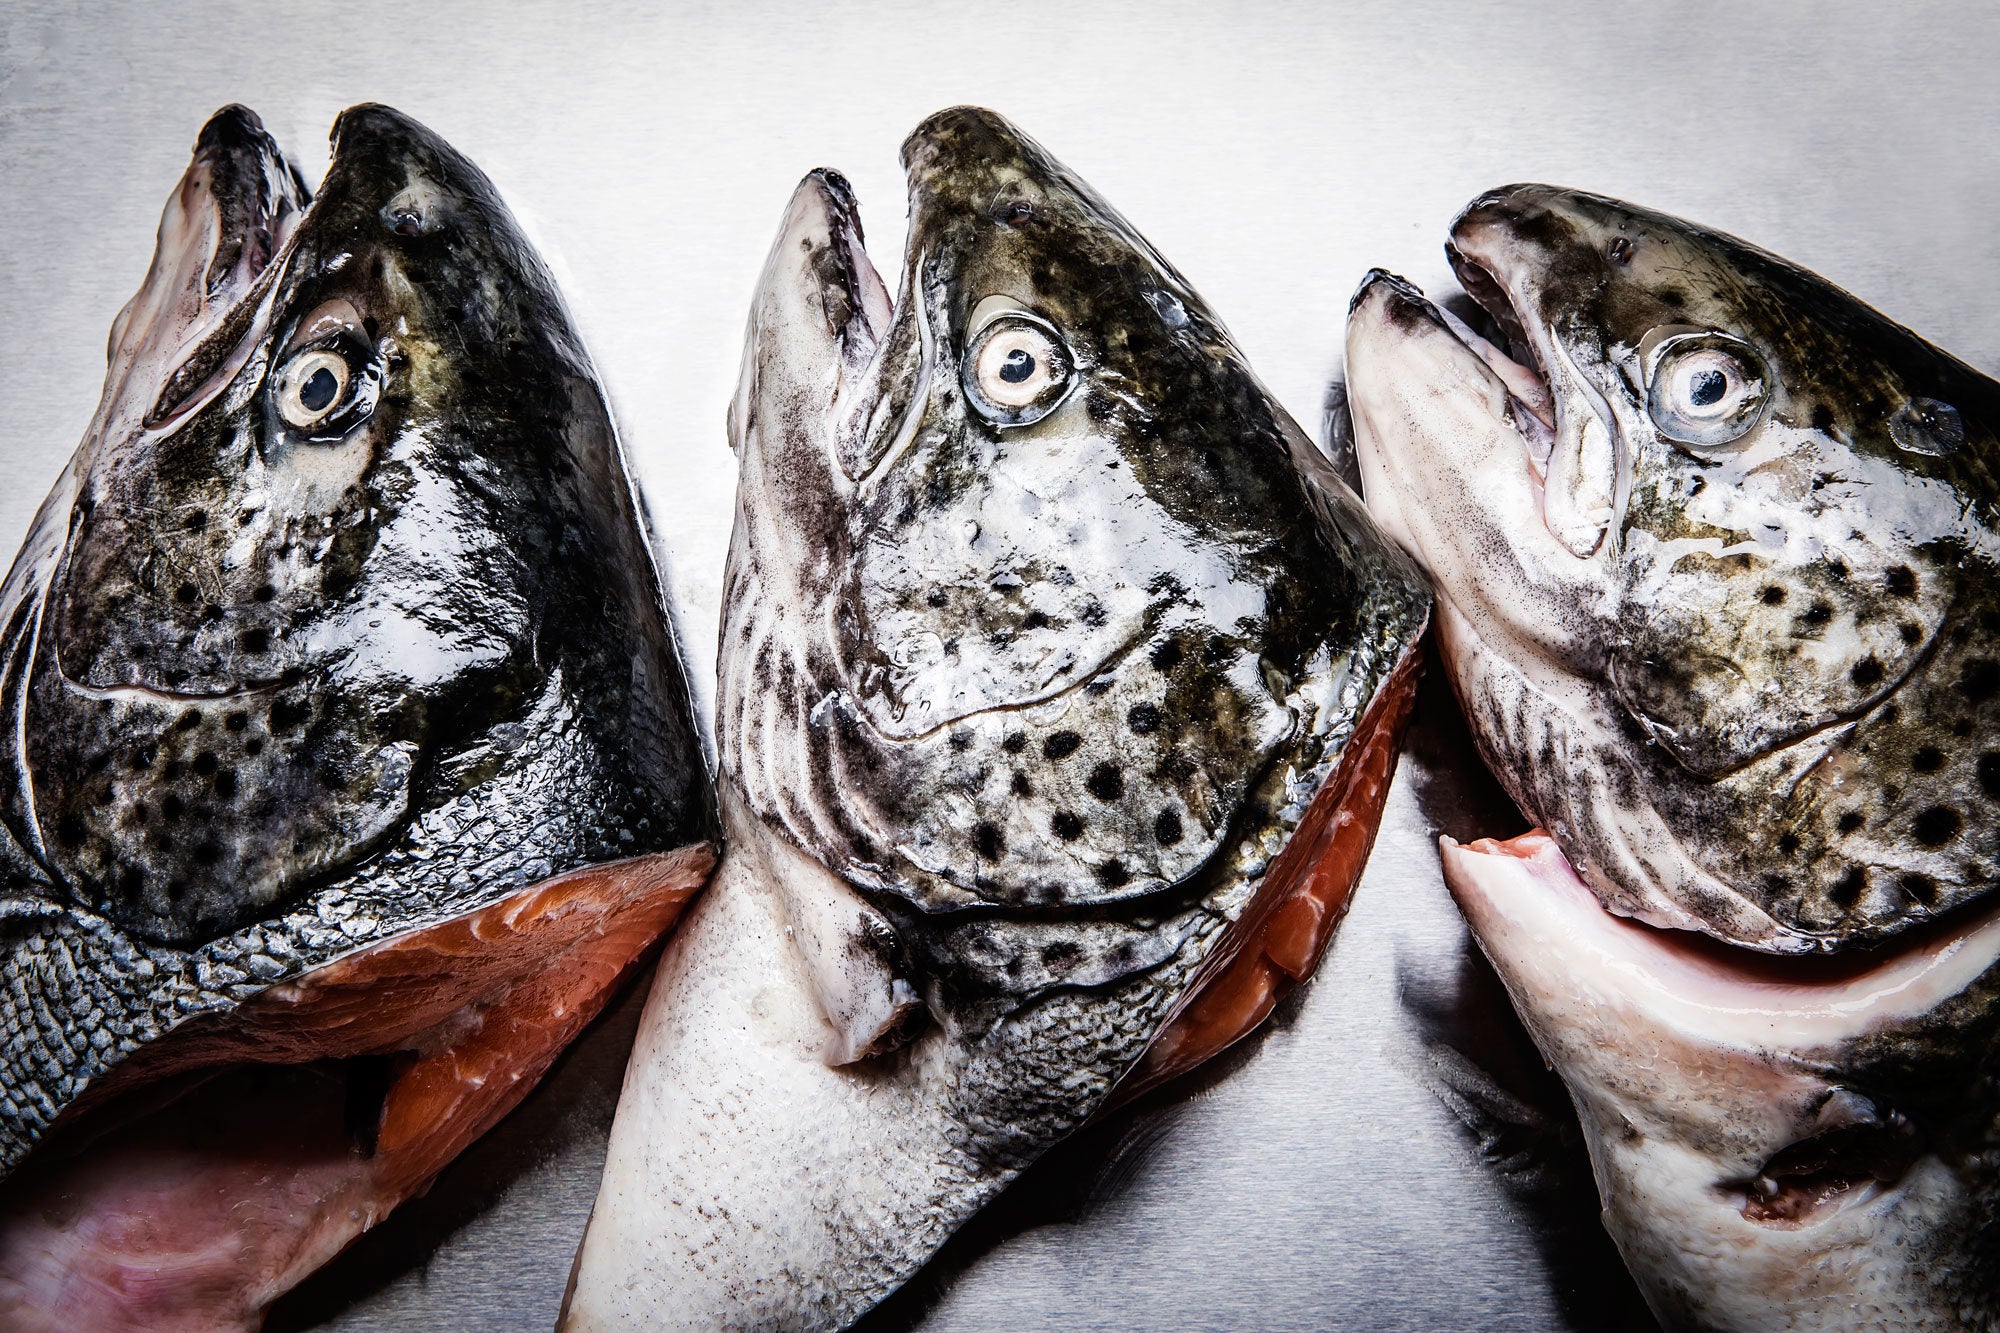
1026	576
1718	513
1777	1142
292	581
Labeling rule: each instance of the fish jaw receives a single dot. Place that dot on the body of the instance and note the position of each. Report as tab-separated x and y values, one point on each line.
1698	1072
260	1154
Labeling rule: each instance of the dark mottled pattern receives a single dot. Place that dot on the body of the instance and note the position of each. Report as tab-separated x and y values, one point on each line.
1805	635
1040	690
272	698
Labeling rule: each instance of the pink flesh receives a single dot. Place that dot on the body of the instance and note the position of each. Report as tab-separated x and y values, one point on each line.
191	1213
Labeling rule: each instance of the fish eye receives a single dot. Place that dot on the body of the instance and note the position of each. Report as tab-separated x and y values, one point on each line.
1017	370
320	393
1708	389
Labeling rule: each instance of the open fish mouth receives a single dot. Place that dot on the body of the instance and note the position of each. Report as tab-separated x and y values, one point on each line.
1501	375
1752	1120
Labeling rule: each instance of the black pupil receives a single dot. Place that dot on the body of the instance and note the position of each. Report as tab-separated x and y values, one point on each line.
1707	387
316	394
1017	367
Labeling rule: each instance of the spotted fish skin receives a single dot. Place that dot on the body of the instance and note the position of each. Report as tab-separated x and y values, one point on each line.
1014	716
1750	684
277	692
995	675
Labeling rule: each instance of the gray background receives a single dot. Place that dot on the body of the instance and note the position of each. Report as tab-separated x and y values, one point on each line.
1390	1155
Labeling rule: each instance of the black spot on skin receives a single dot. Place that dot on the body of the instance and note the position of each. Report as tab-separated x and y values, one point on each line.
288	713
1822	418
70	831
1928	759
189	720
1066	826
1113	874
197	521
142	758
207	854
172	807
1980	681
204	764
1061	953
1015	743
937	597
1144	719
1696	485
255	640
1020	786
1989	774
1866	673
1106	782
1034	620
960	741
1167	656
225	783
171	770
1910	632
986	840
187	594
1788	842
1920	889
1848	888
254	746
236	721
1937	825
1167	828
1061	745
1177	766
1097	405
1092	614
1902	581
1773	596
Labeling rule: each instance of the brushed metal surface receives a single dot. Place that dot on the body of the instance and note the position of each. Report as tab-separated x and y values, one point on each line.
1391	1155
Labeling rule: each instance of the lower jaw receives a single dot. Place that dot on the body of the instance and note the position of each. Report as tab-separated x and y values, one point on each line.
231	1159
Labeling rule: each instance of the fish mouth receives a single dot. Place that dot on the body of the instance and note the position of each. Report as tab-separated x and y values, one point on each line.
1712	1020
239	208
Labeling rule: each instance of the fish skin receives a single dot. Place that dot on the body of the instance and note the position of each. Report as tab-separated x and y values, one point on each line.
381	678
1750	686
1696	1074
939	635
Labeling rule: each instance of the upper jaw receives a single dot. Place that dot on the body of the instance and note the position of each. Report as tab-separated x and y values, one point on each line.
237	208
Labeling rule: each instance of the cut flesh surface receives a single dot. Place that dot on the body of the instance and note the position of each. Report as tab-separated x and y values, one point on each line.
226	1162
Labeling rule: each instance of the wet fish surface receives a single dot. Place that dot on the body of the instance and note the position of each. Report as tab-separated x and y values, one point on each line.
1060	687
1747	665
350	761
1713	545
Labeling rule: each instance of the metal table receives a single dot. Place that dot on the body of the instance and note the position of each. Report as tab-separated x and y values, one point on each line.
1390	1154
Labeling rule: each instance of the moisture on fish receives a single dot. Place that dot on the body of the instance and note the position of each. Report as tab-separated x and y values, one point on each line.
1052	655
334	663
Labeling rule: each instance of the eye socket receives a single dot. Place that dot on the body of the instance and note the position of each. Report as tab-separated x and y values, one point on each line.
324	390
1017	370
1708	389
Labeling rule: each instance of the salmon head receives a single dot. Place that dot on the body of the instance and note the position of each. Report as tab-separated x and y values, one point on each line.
1716	543
339	628
1048	639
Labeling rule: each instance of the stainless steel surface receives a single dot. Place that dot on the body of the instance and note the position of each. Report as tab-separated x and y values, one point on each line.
1349	1169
